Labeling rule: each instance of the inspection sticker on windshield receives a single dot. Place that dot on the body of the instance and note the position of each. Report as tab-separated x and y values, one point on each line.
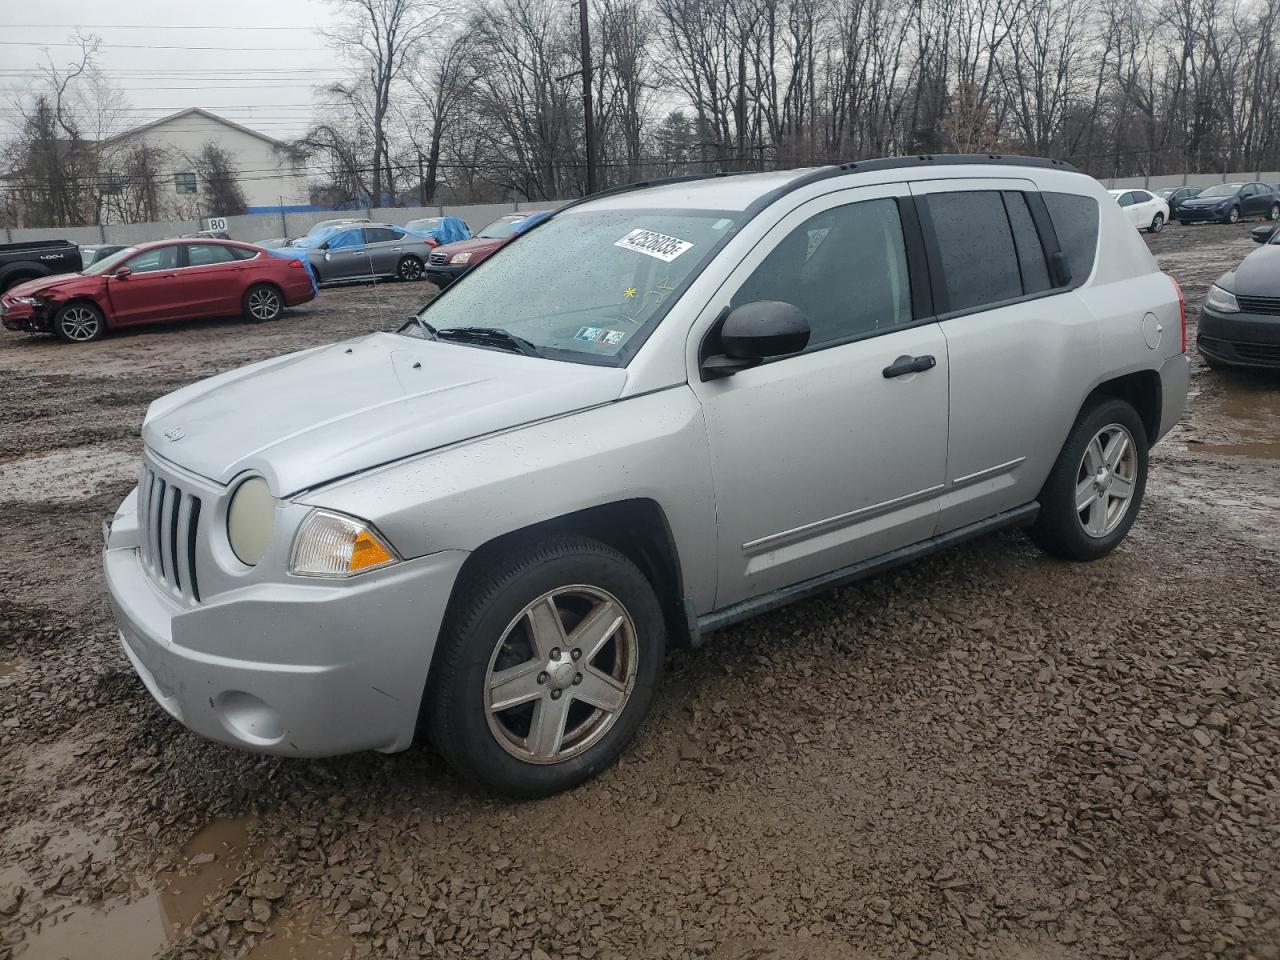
600	335
653	244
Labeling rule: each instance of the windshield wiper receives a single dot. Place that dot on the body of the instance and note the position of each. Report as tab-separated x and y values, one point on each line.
489	336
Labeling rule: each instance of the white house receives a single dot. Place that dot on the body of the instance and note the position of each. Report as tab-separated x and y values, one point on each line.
269	171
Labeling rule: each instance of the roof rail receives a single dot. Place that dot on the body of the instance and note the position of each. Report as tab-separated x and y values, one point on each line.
833	170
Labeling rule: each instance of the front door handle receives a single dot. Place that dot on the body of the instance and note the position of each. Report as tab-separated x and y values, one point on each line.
907	364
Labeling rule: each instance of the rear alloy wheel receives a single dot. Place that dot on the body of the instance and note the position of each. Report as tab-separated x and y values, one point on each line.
263	303
79	323
547	666
1094	491
1157	223
411	268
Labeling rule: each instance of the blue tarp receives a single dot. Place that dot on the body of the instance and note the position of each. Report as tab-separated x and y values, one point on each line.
451	230
285	253
530	221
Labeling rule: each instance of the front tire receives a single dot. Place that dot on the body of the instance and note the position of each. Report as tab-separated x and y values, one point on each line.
1095	489
263	303
547	666
79	322
410	269
1157	223
1234	215
1274	213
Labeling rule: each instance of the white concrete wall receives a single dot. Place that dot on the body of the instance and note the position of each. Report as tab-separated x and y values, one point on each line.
1190	180
267	174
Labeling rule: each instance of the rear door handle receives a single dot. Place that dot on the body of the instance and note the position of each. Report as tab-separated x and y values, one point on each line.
907	364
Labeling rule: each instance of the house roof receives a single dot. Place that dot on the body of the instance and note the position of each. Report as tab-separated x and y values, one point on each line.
198	111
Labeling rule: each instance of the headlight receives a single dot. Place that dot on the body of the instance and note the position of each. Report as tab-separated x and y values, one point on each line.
334	545
460	258
29	301
1221	301
249	519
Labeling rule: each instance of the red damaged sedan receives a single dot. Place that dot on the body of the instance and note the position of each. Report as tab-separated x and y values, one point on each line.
155	282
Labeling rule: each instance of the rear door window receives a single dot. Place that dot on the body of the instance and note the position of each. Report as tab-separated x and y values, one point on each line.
975	244
206	254
380	235
1031	260
1075	220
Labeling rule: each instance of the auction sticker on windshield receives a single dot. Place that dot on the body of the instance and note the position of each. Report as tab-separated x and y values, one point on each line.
653	244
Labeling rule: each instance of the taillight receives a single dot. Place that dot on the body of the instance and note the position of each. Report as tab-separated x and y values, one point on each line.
296	264
1182	312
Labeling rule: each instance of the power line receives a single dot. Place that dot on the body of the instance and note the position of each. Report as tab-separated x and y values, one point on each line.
157	46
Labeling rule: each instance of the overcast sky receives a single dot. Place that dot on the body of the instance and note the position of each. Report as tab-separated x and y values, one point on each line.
269	54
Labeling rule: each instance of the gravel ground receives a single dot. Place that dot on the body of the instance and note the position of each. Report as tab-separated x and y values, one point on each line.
988	753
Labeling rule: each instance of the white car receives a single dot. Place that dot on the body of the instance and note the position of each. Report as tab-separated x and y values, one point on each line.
1144	209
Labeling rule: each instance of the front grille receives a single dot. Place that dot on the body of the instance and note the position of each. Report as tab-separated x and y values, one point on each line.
168	518
1267	305
1259	352
439	258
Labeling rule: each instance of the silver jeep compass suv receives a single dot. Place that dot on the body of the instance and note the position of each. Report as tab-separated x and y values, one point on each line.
662	410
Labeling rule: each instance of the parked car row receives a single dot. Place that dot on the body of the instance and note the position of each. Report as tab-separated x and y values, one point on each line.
1240	318
1221	203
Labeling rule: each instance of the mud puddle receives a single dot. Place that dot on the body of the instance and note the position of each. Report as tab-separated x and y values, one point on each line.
7	668
1244	411
211	861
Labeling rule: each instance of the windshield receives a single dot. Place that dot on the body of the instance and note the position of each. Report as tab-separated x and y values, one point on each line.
500	229
108	263
422	226
615	274
1222	190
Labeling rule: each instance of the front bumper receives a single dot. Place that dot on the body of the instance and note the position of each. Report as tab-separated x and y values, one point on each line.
443	274
339	665
23	316
1202	215
1240	339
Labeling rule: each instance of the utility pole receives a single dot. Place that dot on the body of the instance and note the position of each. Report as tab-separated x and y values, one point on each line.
588	117
422	183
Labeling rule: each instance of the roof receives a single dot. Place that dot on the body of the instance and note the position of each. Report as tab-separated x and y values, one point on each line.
198	111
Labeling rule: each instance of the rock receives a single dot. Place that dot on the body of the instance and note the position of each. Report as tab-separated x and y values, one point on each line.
261	908
202	858
236	910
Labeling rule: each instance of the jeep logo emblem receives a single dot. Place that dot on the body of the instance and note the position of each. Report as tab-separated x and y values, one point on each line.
174	434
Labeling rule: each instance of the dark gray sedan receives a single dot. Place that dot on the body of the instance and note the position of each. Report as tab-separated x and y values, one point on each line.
365	252
1240	319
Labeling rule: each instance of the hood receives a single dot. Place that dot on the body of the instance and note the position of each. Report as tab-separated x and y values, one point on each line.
47	286
1258	274
1205	201
307	418
474	245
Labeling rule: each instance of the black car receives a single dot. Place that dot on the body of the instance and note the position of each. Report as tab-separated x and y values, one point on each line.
1230	203
1240	319
99	251
1175	195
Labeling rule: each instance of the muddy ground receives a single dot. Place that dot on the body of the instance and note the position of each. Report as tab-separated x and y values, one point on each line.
985	754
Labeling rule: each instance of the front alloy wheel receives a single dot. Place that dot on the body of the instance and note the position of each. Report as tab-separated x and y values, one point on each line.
553	691
1274	212
1234	215
79	323
1105	480
546	664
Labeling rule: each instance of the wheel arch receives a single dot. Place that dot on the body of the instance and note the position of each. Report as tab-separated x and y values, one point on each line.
1141	389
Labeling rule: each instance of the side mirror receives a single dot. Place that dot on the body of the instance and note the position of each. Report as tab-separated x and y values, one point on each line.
752	333
124	273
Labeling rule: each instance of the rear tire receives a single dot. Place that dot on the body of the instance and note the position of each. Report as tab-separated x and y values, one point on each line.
548	738
79	322
1157	223
262	303
1095	489
410	269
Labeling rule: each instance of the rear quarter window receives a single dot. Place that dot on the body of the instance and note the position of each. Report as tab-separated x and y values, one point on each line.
1075	220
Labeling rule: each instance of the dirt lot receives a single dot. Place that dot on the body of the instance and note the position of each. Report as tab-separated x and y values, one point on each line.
986	754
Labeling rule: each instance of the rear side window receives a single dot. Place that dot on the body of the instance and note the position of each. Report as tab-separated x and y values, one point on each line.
975	242
1075	220
1031	261
207	254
